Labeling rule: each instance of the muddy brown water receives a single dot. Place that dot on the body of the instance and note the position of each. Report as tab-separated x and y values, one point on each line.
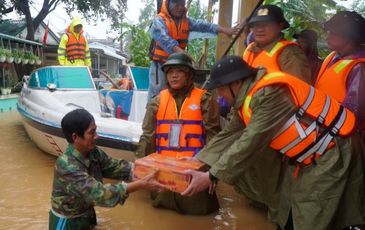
26	175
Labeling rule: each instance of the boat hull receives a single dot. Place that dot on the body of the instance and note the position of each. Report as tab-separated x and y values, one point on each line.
51	140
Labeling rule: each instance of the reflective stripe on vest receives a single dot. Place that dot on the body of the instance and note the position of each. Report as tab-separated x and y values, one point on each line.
179	32
269	60
296	139
75	48
333	80
192	135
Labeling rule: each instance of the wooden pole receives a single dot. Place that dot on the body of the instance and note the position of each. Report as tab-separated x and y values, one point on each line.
203	58
245	9
225	20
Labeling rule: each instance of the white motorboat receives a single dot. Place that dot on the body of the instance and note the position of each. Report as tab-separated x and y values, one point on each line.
50	92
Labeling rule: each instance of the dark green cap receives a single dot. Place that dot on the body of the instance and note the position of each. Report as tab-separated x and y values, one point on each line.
178	59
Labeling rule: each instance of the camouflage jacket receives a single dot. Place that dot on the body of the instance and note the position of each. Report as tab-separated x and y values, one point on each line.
78	182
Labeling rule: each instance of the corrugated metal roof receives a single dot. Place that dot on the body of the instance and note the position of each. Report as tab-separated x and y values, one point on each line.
12	27
8	37
107	50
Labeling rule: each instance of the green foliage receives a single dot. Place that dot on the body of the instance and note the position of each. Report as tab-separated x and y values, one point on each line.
147	14
136	38
90	9
139	45
9	81
308	14
359	6
195	47
17	53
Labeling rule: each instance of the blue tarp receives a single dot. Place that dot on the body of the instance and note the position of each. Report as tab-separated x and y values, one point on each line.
120	98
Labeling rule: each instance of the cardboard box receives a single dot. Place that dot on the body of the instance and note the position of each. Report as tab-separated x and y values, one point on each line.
171	170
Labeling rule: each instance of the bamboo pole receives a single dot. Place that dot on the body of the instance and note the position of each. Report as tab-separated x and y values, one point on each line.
203	57
225	20
245	9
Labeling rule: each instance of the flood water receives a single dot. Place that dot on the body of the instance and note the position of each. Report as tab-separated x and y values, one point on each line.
26	175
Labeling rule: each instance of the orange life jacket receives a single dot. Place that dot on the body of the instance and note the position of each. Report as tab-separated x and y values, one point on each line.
302	142
333	80
179	32
75	48
269	60
192	135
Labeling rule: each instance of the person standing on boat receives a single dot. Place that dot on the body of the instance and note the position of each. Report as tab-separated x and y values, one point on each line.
73	49
278	115
169	33
78	175
178	123
342	73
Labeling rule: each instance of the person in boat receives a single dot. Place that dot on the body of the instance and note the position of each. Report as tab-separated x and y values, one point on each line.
73	49
307	40
178	123
342	72
169	33
78	174
322	182
124	83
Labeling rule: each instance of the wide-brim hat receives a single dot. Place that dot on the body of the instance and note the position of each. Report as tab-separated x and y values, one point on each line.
228	70
269	13
347	24
178	59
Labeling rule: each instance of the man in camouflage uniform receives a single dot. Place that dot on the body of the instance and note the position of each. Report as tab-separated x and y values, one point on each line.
78	175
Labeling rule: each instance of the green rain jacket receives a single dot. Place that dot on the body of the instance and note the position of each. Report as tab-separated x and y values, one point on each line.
328	195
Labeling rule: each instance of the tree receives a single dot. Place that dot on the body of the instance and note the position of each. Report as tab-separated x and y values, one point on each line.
308	14
196	47
89	9
359	6
136	38
117	15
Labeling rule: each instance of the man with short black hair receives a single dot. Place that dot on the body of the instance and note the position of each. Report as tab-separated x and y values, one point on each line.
78	176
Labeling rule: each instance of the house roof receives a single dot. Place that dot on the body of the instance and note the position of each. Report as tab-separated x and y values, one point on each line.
15	27
12	38
107	50
12	27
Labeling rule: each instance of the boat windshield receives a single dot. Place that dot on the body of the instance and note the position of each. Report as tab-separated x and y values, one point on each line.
140	77
62	78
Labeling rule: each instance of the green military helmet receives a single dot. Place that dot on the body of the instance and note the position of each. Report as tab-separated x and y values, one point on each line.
228	70
347	24
269	13
178	59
